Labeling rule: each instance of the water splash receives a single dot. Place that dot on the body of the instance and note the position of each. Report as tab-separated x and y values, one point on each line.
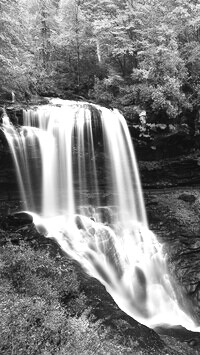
78	176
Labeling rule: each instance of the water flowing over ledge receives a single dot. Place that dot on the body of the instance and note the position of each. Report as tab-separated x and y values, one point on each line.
78	177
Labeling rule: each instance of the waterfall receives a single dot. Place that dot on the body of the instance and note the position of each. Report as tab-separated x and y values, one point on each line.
78	177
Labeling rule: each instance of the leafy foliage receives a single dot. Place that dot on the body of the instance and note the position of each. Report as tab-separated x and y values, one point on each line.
137	53
16	57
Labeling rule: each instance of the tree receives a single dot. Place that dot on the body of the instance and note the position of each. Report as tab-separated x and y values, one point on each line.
145	53
16	57
130	53
40	19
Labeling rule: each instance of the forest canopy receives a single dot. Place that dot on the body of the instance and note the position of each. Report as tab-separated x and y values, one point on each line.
131	54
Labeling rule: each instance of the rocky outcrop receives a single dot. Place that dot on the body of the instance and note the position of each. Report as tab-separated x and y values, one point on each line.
174	216
8	182
178	171
167	155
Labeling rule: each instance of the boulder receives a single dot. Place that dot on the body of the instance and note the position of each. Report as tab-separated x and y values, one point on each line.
20	219
187	197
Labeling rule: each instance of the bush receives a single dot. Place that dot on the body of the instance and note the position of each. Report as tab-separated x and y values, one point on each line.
35	273
42	309
33	287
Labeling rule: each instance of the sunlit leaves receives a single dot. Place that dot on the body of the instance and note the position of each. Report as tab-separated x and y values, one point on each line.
64	45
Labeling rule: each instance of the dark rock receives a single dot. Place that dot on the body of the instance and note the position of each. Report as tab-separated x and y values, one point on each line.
189	338
178	332
105	214
15	238
182	171
79	223
19	219
103	307
15	115
1	114
164	146
5	97
187	197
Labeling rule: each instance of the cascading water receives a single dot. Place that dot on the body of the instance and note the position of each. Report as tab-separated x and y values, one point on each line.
79	179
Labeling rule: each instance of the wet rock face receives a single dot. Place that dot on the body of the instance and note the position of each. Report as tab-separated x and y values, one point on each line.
174	216
161	141
14	112
8	180
15	115
168	158
104	308
178	171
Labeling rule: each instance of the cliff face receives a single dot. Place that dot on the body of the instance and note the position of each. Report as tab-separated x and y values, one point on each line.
174	216
169	157
183	170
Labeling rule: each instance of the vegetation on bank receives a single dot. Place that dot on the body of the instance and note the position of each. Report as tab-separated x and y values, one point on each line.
42	309
133	55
